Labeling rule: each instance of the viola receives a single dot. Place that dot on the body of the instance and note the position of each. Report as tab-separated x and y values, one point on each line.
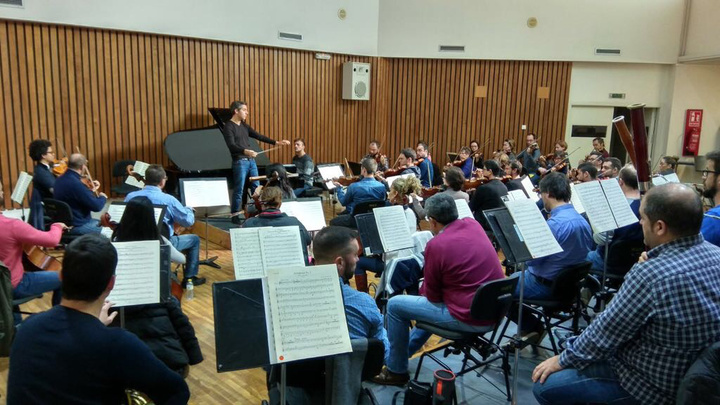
394	172
475	182
427	192
346	181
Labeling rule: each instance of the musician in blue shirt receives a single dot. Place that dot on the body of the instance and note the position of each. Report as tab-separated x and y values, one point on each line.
367	189
175	212
711	180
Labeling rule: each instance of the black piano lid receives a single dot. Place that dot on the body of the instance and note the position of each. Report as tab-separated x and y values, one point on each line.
204	149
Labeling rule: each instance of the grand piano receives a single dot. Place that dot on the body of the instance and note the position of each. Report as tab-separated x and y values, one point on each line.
202	152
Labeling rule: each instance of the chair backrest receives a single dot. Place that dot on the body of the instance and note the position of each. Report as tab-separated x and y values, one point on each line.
622	255
343	379
119	168
367	206
7	326
492	300
701	383
58	211
566	285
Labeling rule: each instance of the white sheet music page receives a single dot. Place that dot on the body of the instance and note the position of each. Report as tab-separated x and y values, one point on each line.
672	178
596	206
206	193
463	209
134	182
517	195
23	182
308	315
390	180
140	167
330	172
534	230
281	247
619	204
392	227
137	276
116	212
575	200
246	252
310	213
528	187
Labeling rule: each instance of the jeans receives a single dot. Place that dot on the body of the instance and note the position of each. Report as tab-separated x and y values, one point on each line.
92	226
373	264
598	262
533	290
241	168
597	383
403	308
190	245
37	282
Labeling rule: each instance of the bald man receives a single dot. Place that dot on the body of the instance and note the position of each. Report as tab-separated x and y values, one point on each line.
81	199
665	314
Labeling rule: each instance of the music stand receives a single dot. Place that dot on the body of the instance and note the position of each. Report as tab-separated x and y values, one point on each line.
21	187
206	193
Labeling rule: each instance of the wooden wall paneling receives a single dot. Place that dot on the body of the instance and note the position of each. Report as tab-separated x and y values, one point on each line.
6	123
14	138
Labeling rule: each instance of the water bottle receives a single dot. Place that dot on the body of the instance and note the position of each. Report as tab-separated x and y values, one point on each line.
189	290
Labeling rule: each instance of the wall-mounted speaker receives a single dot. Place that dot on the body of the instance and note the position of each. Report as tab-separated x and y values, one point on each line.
356	81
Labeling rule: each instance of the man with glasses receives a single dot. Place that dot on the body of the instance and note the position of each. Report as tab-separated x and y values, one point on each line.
175	212
711	181
41	152
426	169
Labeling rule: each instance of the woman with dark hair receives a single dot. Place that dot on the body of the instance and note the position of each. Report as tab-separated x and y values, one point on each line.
476	153
454	180
163	327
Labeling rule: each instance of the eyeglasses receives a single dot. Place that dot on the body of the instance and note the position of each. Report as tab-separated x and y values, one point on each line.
706	172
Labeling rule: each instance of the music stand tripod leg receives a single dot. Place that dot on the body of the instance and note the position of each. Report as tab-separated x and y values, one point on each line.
208	261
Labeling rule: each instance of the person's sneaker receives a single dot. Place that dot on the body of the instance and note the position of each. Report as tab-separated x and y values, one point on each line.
236	220
387	377
195	279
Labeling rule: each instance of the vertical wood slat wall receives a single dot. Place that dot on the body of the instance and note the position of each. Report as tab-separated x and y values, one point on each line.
117	95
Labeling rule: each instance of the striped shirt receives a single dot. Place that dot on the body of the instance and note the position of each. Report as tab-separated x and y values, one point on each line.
666	312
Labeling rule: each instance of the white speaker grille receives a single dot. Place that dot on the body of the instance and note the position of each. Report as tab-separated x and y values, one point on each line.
360	89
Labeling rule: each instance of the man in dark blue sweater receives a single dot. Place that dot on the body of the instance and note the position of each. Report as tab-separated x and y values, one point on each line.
82	201
67	356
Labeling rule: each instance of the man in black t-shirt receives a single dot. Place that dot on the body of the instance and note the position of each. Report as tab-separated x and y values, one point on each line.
67	355
305	167
237	134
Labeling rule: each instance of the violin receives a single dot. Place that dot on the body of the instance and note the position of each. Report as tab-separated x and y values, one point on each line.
346	181
394	172
474	183
458	162
59	166
427	192
88	181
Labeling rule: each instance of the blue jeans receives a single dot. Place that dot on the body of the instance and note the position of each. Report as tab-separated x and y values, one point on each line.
596	383
373	264
37	282
403	308
241	168
598	262
92	226
299	191
533	290
190	245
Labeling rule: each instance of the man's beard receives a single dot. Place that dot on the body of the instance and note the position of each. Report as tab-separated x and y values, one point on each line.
710	192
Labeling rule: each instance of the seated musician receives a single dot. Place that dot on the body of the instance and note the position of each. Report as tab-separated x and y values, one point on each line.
667	165
405	165
70	189
164	327
401	192
375	154
488	195
515	182
711	182
507	148
426	168
16	233
465	162
67	355
530	155
668	310
610	168
476	153
633	232
270	202
453	273
338	246
41	152
276	177
367	189
175	213
555	165
599	146
574	235
305	167
454	181
586	172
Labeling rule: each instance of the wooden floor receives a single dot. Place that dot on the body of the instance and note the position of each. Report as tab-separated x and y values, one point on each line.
207	386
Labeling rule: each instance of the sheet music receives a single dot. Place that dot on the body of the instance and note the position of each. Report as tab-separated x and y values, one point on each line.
140	167
528	186
663	179
619	204
137	276
575	200
134	182
310	213
517	195
106	232
463	209
596	206
308	315
392	227
257	249
23	182
390	180
116	212
247	254
330	172
672	178
281	247
206	193
658	180
534	230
